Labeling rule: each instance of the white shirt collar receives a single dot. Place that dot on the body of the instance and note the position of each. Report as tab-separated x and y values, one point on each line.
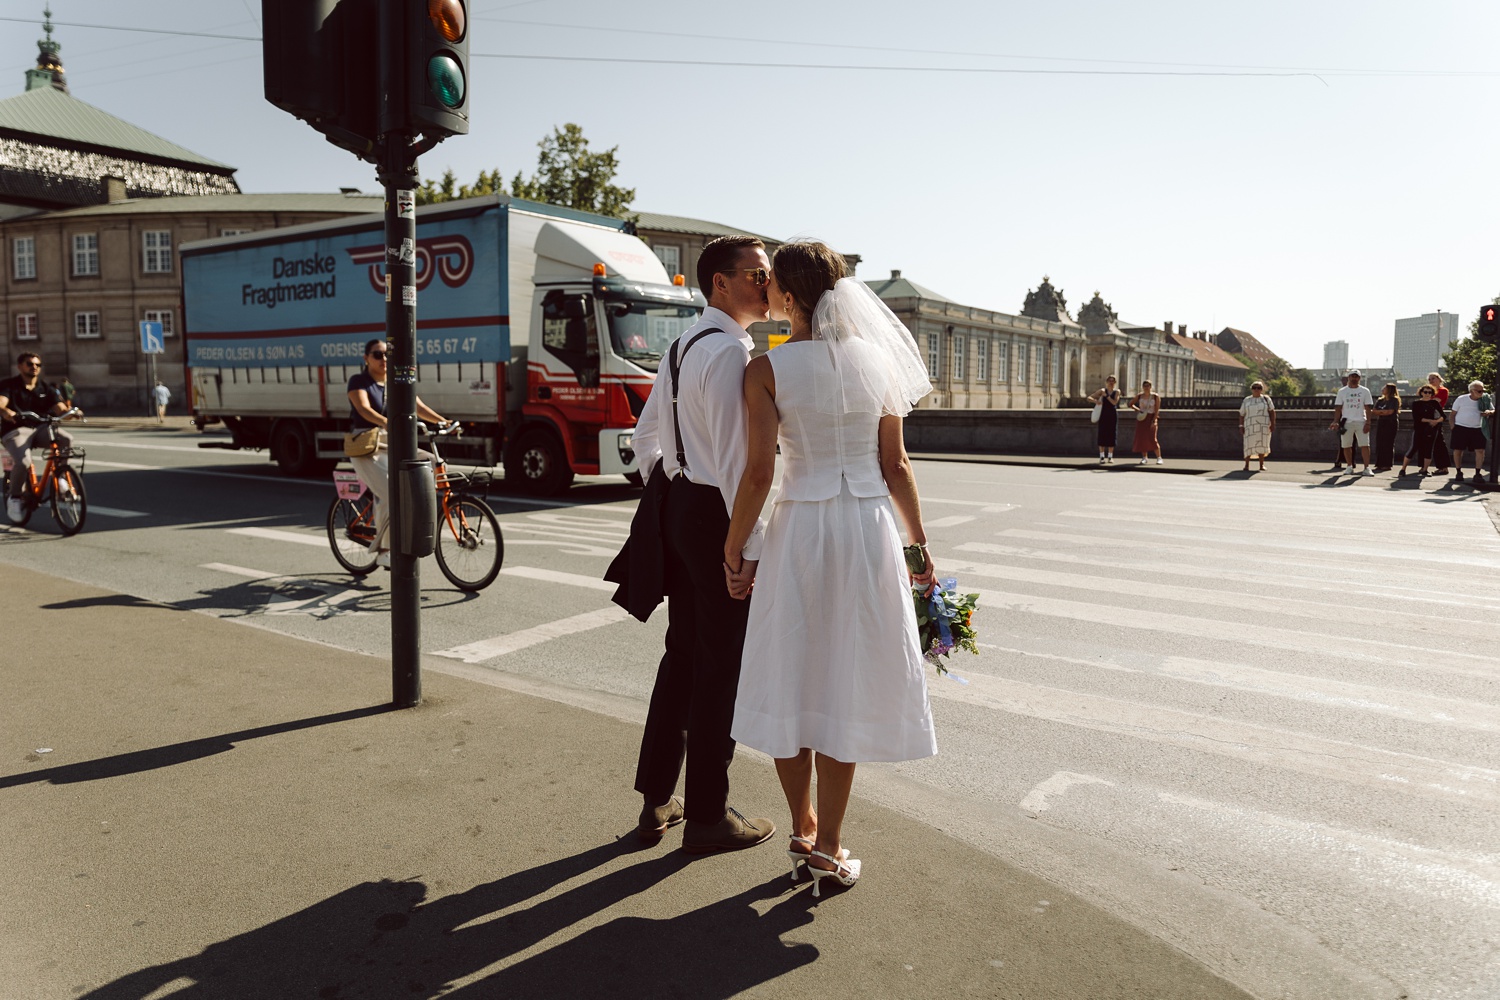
713	316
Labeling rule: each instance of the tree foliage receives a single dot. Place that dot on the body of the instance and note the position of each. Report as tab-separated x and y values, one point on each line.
568	173
1278	376
1468	360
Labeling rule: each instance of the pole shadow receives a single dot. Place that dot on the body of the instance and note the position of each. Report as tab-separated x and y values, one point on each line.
176	753
385	939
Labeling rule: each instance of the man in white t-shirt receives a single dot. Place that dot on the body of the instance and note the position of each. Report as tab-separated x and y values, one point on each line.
1353	404
1469	415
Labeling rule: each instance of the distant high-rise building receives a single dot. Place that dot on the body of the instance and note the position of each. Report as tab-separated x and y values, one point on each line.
1421	342
1336	354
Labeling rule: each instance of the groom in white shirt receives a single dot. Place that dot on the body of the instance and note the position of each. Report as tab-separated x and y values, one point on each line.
692	704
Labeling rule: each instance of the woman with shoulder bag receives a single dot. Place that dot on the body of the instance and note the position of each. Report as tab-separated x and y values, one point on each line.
365	444
1107	401
1147	407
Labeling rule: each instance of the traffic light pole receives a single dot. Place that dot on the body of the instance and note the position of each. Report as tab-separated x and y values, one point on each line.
398	175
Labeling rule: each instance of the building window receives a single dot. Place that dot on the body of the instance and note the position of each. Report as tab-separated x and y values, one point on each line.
1002	362
156	251
1056	368
233	232
932	356
1038	361
162	316
982	359
26	326
958	357
670	257
1020	362
24	257
85	253
85	325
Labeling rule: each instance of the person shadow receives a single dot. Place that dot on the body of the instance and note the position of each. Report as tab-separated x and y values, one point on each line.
385	938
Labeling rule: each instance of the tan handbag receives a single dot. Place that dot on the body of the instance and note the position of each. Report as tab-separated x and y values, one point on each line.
363	444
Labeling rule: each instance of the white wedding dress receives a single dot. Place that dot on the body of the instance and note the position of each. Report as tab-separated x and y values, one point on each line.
831	657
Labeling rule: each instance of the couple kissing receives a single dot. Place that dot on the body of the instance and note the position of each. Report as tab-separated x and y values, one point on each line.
794	634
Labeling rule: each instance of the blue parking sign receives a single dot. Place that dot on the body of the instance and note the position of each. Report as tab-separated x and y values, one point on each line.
151	339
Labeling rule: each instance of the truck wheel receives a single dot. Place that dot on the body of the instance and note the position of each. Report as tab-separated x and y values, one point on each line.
295	453
537	464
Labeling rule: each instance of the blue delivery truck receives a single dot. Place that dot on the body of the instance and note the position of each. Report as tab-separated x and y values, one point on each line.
539	327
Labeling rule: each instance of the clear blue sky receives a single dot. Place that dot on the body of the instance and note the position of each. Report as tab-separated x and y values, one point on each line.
1302	209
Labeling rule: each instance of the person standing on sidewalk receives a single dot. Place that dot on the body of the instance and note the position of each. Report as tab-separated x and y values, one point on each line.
1426	424
693	427
1470	417
1147	407
1108	401
1440	457
1257	421
161	396
1387	417
1353	404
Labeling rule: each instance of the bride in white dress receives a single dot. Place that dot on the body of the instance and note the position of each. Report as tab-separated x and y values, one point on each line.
832	673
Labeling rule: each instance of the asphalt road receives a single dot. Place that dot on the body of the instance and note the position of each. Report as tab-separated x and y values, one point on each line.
1257	719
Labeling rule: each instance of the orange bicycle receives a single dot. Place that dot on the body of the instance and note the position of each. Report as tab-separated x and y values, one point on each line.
469	547
60	481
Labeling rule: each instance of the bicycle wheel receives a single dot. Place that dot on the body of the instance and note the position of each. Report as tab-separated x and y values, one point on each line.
469	546
70	506
351	529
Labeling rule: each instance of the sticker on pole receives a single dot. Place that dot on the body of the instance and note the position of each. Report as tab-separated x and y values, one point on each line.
406	204
151	338
408	295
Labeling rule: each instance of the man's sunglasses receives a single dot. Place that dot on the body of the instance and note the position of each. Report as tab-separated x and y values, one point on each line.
759	275
31	364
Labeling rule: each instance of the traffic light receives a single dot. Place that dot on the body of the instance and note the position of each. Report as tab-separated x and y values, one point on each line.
437	68
321	65
1489	324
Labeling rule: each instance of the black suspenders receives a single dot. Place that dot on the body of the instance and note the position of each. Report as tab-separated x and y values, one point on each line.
675	365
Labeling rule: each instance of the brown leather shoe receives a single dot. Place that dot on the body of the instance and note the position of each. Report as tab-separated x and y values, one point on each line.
656	819
732	833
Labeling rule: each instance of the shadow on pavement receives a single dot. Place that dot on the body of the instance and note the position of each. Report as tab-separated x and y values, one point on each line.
177	753
385	939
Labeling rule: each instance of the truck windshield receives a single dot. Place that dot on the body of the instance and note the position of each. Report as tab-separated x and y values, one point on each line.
642	331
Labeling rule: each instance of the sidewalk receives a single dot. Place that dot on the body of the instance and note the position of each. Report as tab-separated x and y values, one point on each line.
226	806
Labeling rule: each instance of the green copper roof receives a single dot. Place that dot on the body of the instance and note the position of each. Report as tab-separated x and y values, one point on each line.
897	287
48	113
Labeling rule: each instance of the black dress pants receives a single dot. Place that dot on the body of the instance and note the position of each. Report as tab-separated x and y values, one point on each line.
1385	441
692	705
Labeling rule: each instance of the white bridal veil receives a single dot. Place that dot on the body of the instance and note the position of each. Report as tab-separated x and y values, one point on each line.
876	365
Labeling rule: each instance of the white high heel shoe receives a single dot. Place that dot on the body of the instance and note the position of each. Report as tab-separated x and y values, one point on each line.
797	857
845	870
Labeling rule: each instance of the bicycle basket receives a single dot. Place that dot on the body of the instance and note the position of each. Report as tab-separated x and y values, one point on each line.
73	458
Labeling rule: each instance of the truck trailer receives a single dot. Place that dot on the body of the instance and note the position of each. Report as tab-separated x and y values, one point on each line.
540	328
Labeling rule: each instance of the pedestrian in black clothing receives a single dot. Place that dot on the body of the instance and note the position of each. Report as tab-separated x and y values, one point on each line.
1387	415
1426	423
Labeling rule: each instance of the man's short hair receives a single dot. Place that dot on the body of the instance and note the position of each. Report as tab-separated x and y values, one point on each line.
21	358
720	255
1474	383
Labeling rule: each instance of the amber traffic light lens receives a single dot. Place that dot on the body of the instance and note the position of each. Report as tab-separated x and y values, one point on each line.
448	18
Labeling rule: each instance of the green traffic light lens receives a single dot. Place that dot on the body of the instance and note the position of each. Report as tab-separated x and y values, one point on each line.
445	78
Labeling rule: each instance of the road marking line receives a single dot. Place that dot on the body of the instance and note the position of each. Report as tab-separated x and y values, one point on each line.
571	548
986	506
101	442
949	522
276	535
1249	742
591	535
1037	800
1414	706
254	574
1289	525
1424	657
122	465
555	576
327	599
489	649
94	508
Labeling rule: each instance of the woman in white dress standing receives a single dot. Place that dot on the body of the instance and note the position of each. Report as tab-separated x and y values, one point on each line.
832	672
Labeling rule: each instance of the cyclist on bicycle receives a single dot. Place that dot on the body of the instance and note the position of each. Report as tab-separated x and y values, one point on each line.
25	402
366	411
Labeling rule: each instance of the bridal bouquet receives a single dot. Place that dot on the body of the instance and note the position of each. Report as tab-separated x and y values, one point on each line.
945	618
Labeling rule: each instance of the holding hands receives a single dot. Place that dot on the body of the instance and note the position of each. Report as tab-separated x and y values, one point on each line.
739	574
